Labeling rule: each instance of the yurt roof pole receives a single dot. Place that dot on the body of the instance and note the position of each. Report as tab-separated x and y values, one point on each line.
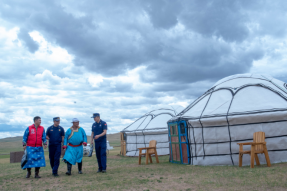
229	129
202	125
233	94
228	114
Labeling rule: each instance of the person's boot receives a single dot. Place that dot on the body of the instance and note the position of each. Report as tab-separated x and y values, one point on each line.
28	173
37	170
69	168
80	167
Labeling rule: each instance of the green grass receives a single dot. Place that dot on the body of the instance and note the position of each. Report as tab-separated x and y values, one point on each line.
124	173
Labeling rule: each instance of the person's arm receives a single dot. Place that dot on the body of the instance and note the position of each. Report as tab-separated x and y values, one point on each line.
25	138
44	139
105	128
84	137
67	134
63	135
92	137
48	134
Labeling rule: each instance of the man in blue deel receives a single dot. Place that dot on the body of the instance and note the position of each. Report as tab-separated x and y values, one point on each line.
55	134
99	131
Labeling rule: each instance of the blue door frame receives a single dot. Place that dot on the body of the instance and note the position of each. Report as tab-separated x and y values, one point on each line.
182	133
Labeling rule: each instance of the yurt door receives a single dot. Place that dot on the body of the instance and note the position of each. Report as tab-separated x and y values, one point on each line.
179	148
184	147
174	143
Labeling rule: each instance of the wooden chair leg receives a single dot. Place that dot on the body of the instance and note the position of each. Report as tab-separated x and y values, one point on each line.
146	157
156	157
266	156
257	159
140	159
252	156
150	158
240	160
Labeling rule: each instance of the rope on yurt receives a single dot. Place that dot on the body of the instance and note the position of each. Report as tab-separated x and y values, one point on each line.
136	134
152	116
136	144
240	124
189	145
202	125
275	84
229	128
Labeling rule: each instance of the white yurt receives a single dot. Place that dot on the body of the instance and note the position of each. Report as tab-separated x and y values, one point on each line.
208	130
151	126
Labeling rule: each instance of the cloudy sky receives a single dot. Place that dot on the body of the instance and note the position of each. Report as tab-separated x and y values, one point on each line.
122	58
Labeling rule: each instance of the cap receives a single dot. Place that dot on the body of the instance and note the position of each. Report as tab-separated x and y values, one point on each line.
75	120
56	119
96	115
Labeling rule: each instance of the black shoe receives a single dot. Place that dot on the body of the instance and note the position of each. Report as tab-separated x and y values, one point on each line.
99	171
37	175
69	168
80	168
55	175
28	173
37	170
104	171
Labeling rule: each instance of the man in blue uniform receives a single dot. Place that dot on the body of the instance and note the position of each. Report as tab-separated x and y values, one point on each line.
55	134
99	131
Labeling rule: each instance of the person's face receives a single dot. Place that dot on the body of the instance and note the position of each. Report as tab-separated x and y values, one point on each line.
56	123
97	119
76	124
38	122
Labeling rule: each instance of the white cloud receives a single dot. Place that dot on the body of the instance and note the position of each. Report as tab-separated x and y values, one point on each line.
55	55
124	60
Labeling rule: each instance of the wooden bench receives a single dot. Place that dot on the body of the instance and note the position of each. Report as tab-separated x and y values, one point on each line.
258	146
149	151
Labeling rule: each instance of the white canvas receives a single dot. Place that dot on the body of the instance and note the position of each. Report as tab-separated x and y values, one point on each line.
230	112
151	126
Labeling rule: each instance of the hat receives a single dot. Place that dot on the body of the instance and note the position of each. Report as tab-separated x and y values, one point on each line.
56	119
75	120
96	115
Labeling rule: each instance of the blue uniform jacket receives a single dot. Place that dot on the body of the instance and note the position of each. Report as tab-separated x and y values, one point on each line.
98	128
55	134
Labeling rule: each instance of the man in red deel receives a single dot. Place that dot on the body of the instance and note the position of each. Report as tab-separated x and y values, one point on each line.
33	139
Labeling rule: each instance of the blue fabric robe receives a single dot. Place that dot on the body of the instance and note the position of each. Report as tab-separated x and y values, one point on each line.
36	157
74	155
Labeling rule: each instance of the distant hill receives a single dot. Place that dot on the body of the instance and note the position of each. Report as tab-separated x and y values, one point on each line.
111	138
12	139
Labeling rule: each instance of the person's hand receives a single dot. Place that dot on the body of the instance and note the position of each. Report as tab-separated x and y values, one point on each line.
84	143
97	136
47	138
45	146
64	147
91	142
24	147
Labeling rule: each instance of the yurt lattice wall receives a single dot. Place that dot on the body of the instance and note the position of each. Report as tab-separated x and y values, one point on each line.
230	112
151	126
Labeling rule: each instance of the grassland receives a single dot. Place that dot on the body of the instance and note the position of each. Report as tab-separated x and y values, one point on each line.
123	173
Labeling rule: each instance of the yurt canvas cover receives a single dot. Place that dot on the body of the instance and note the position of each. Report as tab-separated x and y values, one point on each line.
151	126
206	132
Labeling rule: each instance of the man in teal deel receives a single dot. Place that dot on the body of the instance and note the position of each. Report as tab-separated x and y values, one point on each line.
74	140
